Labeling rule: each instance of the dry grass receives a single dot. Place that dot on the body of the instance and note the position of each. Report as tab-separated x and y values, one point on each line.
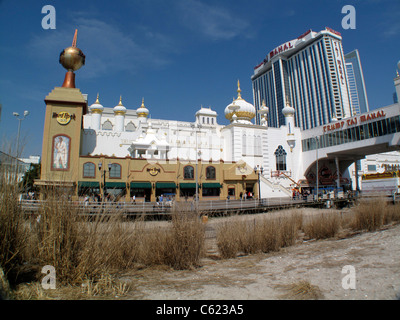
302	290
370	215
257	235
13	234
322	226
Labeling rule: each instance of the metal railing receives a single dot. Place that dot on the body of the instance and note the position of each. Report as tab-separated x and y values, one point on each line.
165	207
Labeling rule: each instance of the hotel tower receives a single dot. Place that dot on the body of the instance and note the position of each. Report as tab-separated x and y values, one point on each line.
308	73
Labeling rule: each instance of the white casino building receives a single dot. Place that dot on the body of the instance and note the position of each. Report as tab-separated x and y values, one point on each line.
147	156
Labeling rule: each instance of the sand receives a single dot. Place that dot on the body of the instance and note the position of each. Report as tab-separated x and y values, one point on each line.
375	257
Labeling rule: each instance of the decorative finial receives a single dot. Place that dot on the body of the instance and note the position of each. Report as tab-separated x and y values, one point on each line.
238	90
97	99
71	58
74	40
120	101
142	102
397	73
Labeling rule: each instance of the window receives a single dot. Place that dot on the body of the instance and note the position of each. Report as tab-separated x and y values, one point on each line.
89	170
372	167
130	127
107	125
280	155
210	173
188	172
115	171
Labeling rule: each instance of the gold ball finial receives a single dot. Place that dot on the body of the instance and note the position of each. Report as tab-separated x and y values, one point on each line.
72	58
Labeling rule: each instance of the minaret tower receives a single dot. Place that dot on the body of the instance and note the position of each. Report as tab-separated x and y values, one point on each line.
119	113
65	107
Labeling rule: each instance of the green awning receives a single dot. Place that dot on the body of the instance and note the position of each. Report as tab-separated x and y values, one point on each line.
115	185
187	185
88	184
211	185
140	185
165	185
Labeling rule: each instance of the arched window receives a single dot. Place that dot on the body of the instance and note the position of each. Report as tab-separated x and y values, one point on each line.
89	170
107	125
115	171
130	127
280	155
188	172
210	173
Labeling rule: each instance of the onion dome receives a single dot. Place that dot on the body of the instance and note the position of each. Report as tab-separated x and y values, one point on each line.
142	111
96	107
288	111
206	112
241	108
119	109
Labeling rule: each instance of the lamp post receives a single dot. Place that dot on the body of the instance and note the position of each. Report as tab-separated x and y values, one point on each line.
316	155
16	114
198	153
103	175
259	170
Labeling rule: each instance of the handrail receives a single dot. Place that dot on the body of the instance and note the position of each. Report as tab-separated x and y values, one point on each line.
168	206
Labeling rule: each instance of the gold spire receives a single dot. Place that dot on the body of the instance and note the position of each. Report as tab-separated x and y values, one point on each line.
74	39
97	99
120	101
142	103
397	73
238	90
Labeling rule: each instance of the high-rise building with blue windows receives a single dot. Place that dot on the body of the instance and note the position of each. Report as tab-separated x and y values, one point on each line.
309	73
358	93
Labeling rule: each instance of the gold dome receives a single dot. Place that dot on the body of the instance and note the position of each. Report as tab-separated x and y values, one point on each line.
241	108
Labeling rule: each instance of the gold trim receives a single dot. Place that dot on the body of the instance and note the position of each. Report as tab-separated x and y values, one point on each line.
119	113
241	114
98	111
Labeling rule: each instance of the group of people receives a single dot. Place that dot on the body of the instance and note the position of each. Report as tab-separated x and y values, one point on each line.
246	195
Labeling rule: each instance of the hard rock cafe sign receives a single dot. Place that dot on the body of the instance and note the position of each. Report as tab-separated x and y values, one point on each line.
153	171
63	117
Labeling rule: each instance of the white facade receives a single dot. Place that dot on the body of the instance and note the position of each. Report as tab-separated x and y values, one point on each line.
284	153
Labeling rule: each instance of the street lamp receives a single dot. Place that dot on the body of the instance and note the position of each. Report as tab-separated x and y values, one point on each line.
16	114
198	153
103	175
316	155
259	170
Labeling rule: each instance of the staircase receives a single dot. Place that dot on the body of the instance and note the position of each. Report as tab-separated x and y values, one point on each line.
276	187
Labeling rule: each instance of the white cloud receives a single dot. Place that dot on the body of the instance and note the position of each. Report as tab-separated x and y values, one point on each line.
108	49
213	22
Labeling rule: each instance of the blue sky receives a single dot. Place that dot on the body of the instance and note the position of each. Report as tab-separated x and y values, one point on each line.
177	54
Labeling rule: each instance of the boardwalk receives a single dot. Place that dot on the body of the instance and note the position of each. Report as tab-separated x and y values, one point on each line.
210	208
